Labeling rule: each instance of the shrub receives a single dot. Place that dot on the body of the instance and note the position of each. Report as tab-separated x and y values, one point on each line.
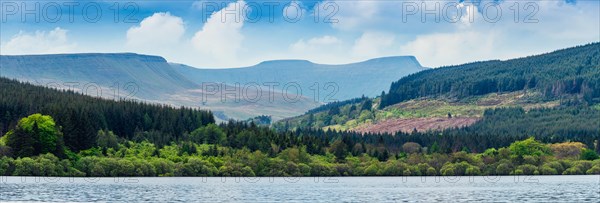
547	170
528	169
567	149
431	171
588	154
504	169
593	171
411	147
6	165
448	170
573	171
473	170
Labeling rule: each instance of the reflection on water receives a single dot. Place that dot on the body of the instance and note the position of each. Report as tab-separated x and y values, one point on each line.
305	189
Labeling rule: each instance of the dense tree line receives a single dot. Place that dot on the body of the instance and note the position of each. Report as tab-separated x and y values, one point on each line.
338	104
526	157
498	128
162	125
501	127
329	114
572	71
246	149
80	117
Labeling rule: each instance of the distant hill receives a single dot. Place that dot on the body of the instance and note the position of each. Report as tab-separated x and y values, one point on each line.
141	77
353	80
152	79
146	77
458	96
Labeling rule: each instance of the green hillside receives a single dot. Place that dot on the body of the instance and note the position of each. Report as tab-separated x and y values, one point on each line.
564	72
455	96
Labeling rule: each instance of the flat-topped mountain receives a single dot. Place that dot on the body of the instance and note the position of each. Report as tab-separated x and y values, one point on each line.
147	77
332	82
153	79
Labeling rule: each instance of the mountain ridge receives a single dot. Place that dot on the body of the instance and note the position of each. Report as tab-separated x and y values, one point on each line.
151	74
338	82
153	79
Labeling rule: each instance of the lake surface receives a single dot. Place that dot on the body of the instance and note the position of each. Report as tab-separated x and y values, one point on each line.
305	189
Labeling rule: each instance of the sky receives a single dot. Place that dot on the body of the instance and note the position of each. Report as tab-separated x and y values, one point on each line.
230	33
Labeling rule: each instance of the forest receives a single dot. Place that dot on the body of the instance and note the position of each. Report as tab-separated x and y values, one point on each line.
35	147
206	153
80	117
571	71
51	132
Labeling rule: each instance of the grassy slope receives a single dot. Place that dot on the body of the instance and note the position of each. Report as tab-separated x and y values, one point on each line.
472	107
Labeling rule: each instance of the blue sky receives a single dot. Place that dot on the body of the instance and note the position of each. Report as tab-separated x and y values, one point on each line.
229	33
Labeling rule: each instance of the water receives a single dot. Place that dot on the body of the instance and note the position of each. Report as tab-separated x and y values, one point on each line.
306	189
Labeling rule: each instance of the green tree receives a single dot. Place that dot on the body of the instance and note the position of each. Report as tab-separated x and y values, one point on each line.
339	149
107	139
529	146
411	147
588	154
36	134
210	133
435	148
367	105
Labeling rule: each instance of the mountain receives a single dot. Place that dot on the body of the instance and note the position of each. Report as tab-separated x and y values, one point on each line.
321	82
142	76
459	96
152	79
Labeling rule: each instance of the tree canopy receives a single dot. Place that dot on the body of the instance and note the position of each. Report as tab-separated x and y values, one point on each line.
36	134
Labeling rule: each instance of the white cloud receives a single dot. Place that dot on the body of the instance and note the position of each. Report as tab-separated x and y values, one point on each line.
469	14
452	48
156	31
373	44
554	25
221	36
315	43
351	15
40	42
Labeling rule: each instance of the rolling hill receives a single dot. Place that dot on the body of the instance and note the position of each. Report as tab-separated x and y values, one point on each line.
458	96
